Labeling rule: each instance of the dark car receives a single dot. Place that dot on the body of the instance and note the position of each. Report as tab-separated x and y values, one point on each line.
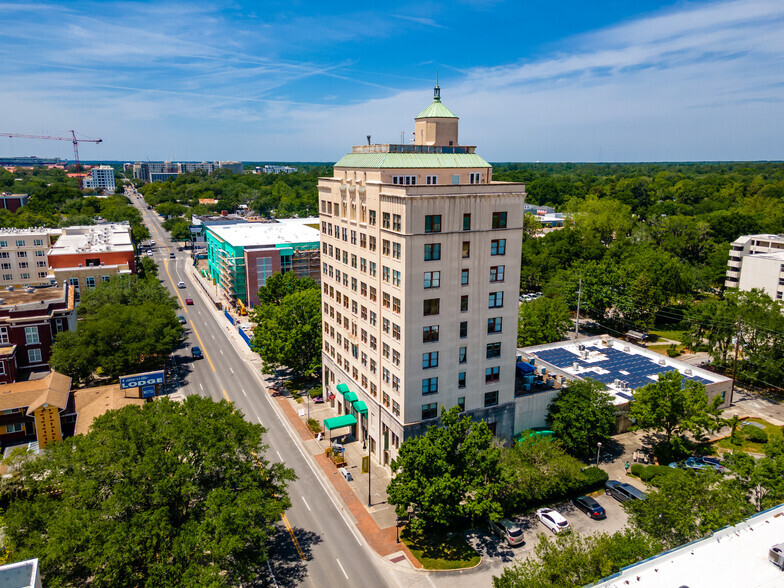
701	463
623	492
196	353
590	507
181	319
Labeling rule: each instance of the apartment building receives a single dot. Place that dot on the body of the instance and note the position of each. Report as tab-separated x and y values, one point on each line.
23	256
160	171
101	177
420	255
757	261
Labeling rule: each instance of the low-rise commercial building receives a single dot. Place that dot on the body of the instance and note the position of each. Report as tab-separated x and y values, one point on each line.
242	255
621	366
13	202
85	255
24	257
757	261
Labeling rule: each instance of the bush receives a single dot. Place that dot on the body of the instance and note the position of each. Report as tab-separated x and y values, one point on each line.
314	425
594	478
672	351
316	392
755	434
651	471
637	469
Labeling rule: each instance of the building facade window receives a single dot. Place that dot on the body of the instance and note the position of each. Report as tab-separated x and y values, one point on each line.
493	350
467	222
494	325
499	220
496	300
429	411
429	360
431	306
462	355
404	180
497	273
464	303
461	380
492	374
463	329
431	180
386	220
474	178
466	249
491	398
90	281
397	222
34	355
396	250
464	277
430	334
461	403
31	336
432	279
498	247
429	386
433	223
432	251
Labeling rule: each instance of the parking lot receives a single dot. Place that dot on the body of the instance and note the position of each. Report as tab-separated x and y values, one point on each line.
496	554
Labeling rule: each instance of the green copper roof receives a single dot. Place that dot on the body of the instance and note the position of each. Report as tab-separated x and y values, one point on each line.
411	160
436	110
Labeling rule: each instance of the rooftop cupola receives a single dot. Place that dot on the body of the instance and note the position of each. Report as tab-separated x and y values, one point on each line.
436	124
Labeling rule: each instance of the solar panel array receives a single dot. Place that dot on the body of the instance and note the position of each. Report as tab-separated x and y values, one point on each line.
641	370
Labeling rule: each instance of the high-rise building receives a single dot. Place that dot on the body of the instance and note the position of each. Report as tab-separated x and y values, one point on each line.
100	177
420	280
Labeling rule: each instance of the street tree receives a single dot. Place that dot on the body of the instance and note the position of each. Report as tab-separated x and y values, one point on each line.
164	494
542	320
178	228
452	472
288	334
675	406
280	285
689	505
127	325
763	478
582	416
577	560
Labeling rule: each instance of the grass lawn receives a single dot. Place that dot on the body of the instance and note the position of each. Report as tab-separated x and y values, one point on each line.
441	553
772	430
666	334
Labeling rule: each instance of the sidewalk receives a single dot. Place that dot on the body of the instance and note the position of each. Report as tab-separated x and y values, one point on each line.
377	522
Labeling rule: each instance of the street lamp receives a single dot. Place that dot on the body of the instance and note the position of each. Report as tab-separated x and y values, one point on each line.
598	449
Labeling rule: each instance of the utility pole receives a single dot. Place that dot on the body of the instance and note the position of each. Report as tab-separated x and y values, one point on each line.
735	361
577	320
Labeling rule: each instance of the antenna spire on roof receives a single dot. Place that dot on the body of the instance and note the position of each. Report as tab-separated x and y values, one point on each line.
437	90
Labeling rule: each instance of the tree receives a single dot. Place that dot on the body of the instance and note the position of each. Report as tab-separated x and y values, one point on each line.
166	494
178	227
689	505
147	268
581	417
763	478
128	325
451	472
674	406
289	334
543	320
278	286
577	560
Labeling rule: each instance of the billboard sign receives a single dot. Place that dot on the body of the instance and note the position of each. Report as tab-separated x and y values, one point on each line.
148	391
137	380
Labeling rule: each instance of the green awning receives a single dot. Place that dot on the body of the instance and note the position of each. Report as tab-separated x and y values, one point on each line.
342	388
346	420
360	407
350	397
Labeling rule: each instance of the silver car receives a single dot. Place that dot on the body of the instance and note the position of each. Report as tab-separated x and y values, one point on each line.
507	531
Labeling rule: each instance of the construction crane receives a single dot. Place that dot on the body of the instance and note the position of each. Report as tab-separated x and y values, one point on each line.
72	138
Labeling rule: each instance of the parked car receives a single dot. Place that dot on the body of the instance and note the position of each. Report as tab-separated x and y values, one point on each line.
196	352
181	284
507	531
623	492
700	463
590	507
149	253
172	256
152	242
181	319
552	519
189	301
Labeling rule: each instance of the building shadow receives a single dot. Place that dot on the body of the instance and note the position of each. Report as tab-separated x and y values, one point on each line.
285	565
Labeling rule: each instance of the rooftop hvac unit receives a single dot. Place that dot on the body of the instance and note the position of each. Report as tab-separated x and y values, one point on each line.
626	348
581	347
776	555
576	366
585	354
687	371
609	343
662	362
617	382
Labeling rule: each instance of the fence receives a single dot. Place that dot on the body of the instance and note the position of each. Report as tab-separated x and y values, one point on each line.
244	335
228	316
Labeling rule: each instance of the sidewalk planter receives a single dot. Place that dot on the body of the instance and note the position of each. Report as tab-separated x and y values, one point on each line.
336	457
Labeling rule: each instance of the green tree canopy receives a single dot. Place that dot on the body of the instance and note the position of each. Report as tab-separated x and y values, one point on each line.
127	325
280	285
450	473
288	334
674	406
577	560
543	320
167	494
763	478
581	417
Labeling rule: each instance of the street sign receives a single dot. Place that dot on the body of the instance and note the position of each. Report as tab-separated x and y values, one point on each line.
137	380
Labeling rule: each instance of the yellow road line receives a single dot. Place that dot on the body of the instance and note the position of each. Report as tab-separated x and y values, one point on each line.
226	396
203	349
176	289
293	538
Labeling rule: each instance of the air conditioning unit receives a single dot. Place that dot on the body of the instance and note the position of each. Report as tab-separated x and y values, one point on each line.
687	371
609	343
617	382
581	347
662	362
585	354
576	366
626	348
776	555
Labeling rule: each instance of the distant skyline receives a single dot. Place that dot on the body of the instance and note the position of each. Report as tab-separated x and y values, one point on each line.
609	80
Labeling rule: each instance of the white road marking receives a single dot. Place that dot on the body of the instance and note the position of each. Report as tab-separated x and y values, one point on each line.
341	568
306	504
280	458
260	421
244	393
232	372
221	351
202	387
211	335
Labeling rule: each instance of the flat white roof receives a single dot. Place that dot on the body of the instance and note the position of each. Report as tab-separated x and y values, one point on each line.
93	239
275	233
733	557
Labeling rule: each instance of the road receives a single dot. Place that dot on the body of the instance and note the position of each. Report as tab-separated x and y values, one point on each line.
316	543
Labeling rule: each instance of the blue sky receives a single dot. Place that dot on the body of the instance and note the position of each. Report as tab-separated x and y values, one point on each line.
607	80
